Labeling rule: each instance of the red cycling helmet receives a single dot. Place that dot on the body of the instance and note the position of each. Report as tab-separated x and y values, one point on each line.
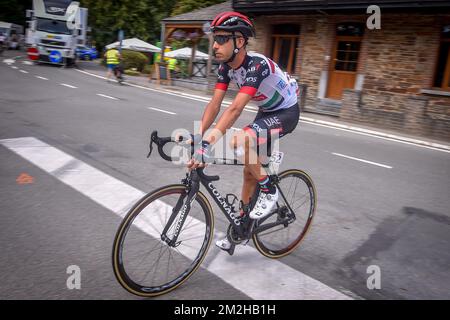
233	22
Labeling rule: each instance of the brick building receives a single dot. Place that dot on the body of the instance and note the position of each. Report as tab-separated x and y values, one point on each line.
396	77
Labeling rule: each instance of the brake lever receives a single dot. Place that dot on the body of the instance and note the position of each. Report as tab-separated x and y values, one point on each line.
153	138
151	149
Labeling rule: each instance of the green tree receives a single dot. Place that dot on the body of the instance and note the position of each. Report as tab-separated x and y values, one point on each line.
14	11
138	18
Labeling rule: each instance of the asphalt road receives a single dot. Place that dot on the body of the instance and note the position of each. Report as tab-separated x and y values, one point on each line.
395	216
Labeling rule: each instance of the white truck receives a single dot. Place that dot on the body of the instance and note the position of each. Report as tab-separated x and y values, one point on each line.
55	30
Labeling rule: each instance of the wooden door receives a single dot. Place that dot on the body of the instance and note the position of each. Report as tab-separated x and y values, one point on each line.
343	66
446	80
283	53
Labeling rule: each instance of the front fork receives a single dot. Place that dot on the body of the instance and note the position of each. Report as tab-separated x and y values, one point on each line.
182	208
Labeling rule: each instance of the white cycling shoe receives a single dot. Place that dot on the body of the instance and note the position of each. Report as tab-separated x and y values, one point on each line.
223	244
264	205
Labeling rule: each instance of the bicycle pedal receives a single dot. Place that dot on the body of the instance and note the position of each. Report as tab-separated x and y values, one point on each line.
231	250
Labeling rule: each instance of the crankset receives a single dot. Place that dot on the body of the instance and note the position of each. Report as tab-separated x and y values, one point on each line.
233	237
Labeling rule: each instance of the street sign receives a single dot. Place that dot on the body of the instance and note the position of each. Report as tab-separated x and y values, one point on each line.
55	56
33	53
120	36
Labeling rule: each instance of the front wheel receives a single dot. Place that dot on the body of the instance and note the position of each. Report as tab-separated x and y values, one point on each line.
145	262
292	219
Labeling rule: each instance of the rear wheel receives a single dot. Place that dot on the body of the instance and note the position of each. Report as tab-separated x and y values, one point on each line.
148	266
296	210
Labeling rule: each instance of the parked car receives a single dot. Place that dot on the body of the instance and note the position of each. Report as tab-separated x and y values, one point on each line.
86	53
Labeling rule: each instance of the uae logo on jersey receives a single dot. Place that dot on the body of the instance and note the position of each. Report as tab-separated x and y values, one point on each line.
259	97
281	85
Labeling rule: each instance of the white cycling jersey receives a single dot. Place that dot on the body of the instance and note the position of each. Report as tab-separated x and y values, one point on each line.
271	88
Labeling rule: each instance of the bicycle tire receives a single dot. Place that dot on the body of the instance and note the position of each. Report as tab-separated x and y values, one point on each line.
271	247
133	221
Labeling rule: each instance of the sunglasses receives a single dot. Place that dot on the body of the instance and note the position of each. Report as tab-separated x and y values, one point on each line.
223	38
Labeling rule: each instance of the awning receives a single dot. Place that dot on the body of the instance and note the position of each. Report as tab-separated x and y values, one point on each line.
185	53
135	44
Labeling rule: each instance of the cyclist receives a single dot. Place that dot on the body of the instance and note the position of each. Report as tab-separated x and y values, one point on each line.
260	80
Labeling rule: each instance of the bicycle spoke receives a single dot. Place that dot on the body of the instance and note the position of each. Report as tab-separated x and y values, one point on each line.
146	256
191	238
300	199
150	224
154	264
300	204
264	233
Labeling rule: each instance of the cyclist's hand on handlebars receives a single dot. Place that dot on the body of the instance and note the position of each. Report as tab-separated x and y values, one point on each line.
202	155
191	139
195	139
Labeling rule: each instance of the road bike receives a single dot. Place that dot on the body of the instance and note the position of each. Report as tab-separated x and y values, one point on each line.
165	236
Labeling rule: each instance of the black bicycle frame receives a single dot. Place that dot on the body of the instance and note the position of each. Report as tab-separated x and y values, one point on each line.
192	183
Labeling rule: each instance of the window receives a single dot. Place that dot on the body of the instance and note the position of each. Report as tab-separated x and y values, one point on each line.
442	75
284	45
52	26
347	55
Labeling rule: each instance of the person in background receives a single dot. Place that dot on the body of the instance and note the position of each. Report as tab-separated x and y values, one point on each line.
112	61
172	66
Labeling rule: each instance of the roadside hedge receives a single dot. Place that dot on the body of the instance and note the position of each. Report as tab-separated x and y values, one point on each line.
133	59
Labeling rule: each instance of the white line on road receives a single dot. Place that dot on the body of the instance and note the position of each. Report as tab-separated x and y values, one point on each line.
156	109
23	71
39	77
362	160
105	96
376	134
14	67
68	85
257	276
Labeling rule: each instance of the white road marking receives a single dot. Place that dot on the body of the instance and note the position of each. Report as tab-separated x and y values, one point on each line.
39	77
362	160
248	271
68	85
328	124
156	109
8	61
376	134
23	71
14	67
27	62
105	96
